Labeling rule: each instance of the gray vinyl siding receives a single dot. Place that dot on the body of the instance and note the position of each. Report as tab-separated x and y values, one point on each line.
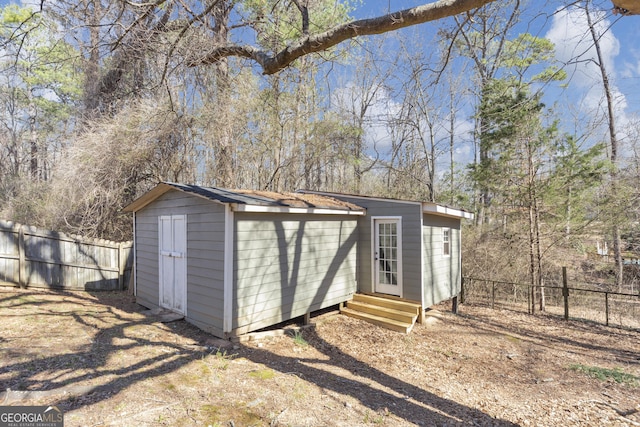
442	278
287	265
411	245
205	255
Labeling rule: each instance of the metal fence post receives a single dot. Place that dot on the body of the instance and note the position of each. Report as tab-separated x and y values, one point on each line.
565	293
606	307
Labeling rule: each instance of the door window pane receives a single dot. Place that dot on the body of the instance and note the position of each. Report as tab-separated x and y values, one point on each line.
388	253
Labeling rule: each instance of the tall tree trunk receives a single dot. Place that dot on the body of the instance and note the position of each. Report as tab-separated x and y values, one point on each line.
33	142
567	228
223	146
487	56
536	207
532	263
452	121
92	62
615	230
533	270
535	253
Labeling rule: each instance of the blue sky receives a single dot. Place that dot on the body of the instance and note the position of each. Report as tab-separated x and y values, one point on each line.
581	101
568	30
564	27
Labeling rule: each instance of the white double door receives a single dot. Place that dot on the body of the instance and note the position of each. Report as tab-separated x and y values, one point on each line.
172	243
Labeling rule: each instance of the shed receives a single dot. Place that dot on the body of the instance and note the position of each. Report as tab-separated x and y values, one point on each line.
234	261
408	249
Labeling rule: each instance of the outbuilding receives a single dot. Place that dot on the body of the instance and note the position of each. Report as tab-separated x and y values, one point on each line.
234	261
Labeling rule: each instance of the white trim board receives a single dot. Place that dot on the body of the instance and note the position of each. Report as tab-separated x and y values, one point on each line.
399	255
227	317
237	207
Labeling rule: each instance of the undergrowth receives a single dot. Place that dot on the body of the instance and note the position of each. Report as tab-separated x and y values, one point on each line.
604	374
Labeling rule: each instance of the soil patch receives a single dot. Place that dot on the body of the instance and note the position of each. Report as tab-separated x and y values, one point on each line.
103	362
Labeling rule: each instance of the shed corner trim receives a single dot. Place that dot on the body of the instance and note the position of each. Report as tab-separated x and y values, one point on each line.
227	317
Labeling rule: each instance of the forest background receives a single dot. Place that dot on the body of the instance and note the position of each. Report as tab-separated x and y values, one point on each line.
522	112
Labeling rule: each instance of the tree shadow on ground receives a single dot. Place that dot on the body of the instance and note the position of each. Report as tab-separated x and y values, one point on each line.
372	387
107	319
555	325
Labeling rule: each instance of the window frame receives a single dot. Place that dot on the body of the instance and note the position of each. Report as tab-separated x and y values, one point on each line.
446	242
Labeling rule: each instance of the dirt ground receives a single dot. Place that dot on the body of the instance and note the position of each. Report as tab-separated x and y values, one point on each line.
104	363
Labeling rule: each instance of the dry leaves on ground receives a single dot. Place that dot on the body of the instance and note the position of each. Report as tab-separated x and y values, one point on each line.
103	362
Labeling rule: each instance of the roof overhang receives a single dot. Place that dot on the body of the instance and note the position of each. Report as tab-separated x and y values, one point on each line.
238	207
163	188
436	209
157	191
148	197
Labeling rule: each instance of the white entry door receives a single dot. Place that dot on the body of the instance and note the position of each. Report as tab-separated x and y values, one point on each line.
172	242
387	256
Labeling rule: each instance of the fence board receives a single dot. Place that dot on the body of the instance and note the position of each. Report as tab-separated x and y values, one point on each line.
42	258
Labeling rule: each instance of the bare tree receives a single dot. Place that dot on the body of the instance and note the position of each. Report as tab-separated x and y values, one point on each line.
272	62
613	140
356	103
110	163
483	39
132	25
418	127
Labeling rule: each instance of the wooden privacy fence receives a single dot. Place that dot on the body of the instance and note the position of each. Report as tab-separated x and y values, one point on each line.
35	257
610	308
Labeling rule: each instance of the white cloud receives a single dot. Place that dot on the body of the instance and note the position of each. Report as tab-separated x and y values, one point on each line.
574	44
380	110
383	110
575	47
631	64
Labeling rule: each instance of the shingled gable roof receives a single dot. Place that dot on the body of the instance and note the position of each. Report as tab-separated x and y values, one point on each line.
253	201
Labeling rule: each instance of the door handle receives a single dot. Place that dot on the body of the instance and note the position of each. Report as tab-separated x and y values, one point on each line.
172	254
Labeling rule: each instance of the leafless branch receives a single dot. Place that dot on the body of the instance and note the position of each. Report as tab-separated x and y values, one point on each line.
272	63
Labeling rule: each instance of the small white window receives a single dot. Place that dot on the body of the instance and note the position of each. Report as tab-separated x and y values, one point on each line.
446	242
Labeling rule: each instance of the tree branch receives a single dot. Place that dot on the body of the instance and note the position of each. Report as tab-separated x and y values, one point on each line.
304	11
272	63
